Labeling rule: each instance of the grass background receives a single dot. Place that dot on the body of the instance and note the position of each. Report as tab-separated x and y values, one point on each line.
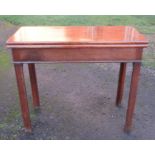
145	24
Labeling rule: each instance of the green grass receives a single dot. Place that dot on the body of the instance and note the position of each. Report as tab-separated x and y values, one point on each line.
145	24
149	63
4	59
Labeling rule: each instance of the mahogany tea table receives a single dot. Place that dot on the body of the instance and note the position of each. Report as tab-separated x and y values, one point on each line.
66	44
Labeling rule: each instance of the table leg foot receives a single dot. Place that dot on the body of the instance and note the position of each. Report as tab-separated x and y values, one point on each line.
23	96
34	86
127	130
28	130
121	82
132	96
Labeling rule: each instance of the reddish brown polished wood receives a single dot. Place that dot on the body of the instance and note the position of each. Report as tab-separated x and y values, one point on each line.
34	86
34	55
37	44
132	96
77	35
23	96
121	83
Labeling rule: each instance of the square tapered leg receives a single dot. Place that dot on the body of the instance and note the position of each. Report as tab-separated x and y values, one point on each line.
132	96
34	86
121	82
23	97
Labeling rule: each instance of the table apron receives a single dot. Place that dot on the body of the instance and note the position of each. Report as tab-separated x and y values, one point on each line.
76	55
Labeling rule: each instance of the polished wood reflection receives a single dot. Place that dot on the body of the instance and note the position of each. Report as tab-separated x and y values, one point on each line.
77	35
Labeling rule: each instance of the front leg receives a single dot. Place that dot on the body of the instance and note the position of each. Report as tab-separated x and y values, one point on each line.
132	96
23	96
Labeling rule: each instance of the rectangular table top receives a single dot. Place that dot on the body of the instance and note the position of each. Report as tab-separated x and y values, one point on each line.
76	35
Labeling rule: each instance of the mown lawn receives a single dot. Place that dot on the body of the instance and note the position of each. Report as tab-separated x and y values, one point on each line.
145	24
